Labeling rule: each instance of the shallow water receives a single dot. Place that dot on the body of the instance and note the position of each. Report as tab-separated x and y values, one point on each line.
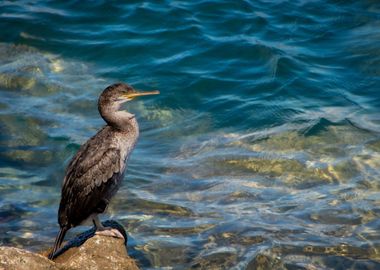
262	151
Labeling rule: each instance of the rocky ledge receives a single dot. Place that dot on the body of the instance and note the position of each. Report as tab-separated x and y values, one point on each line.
86	251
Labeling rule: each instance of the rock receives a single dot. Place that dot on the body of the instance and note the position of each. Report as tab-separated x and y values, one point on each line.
98	252
18	259
86	251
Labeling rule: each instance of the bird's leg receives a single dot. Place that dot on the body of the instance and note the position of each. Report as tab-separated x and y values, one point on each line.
106	231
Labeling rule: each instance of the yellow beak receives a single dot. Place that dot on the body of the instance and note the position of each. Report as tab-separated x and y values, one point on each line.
138	94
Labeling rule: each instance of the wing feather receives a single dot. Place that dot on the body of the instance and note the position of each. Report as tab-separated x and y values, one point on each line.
91	179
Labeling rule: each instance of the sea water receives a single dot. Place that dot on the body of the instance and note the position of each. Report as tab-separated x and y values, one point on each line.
262	150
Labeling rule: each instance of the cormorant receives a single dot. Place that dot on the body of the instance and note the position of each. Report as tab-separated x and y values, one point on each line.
94	174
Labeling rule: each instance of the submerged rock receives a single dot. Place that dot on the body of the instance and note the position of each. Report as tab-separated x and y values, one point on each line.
86	251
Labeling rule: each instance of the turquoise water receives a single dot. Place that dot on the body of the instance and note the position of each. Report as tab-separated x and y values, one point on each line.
263	149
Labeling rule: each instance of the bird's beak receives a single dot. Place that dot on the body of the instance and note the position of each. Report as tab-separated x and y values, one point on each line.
138	94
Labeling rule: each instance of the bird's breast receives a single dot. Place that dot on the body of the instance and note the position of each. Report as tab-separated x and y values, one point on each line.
125	142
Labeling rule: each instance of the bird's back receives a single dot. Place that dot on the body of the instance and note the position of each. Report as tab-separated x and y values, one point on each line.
94	174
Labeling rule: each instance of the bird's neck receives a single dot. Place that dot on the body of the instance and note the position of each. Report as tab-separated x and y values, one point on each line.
122	120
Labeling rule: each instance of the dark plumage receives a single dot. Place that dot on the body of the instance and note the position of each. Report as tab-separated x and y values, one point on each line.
95	172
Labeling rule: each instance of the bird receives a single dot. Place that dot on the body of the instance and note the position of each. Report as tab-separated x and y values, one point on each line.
95	173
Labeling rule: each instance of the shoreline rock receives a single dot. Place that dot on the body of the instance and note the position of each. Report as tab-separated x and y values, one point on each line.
12	258
85	251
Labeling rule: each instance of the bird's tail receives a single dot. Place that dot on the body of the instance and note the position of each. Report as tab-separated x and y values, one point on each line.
58	241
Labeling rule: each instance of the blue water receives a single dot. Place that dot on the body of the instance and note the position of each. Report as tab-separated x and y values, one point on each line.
262	150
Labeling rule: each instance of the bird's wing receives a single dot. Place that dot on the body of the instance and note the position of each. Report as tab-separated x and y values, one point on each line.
89	173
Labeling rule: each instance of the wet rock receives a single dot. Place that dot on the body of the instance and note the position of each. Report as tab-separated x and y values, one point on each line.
86	251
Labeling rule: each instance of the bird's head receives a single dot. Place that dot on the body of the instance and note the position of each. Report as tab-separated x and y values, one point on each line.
116	94
112	98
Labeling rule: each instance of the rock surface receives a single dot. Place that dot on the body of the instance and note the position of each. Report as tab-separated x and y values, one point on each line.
86	251
98	252
18	259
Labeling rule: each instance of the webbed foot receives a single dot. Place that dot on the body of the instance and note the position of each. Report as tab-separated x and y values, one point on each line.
108	231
